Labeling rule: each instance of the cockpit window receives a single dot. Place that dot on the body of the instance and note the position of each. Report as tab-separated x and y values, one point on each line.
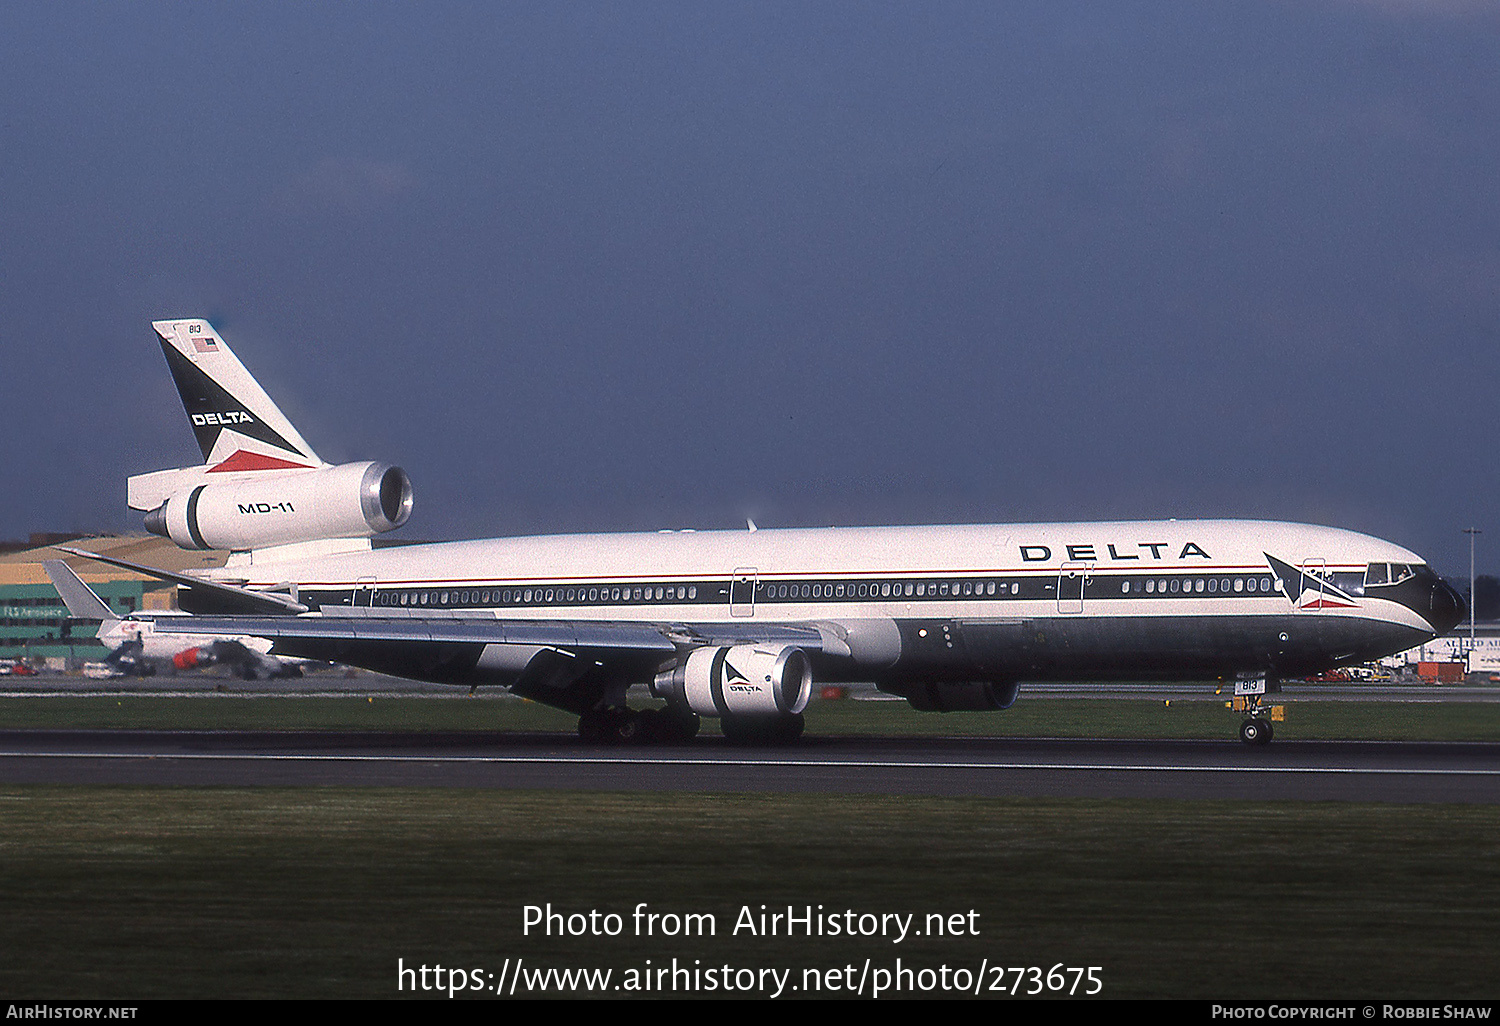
1350	582
1391	573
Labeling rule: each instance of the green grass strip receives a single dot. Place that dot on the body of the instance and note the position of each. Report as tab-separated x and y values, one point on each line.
125	893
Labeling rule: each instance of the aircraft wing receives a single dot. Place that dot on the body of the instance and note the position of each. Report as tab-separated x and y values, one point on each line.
664	638
282	623
569	664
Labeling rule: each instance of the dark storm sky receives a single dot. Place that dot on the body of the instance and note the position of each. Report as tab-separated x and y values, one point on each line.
636	265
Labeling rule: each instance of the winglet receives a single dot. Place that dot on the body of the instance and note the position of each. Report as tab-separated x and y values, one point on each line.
82	602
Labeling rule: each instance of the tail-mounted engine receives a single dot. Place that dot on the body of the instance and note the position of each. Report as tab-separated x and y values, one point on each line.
354	500
739	681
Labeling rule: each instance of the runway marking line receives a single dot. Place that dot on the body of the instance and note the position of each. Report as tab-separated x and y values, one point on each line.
779	763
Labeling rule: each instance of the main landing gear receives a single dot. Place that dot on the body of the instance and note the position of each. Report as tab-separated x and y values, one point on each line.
615	725
762	731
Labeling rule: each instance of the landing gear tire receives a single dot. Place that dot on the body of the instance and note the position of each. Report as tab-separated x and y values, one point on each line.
617	726
685	725
667	726
627	727
652	728
763	731
1256	732
611	726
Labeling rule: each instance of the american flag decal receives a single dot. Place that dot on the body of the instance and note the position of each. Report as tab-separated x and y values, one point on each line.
205	345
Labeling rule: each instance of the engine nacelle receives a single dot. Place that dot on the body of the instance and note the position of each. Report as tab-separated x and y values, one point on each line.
354	500
742	681
968	696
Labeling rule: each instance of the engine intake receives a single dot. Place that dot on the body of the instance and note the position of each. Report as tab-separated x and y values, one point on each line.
354	500
740	680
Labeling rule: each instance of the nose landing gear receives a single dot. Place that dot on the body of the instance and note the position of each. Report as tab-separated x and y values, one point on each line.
1256	729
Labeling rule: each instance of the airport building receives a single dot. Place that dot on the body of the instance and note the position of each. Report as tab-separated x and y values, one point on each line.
34	623
1478	655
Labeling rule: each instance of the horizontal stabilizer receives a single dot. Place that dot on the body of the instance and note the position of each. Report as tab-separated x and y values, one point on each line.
261	601
81	600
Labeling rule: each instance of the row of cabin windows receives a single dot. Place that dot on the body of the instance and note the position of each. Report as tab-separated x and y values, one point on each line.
887	589
1200	585
960	589
774	591
525	596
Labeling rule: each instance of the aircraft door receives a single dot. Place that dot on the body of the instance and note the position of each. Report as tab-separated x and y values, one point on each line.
364	592
742	591
1310	584
1071	579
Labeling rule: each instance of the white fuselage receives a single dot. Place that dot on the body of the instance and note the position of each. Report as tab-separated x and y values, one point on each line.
1105	569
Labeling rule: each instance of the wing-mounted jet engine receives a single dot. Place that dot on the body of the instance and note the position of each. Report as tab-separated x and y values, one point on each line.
757	691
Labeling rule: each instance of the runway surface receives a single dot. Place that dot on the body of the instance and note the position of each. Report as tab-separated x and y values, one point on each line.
218	684
1305	770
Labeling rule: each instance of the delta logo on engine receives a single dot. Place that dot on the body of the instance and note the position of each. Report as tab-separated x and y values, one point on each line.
734	680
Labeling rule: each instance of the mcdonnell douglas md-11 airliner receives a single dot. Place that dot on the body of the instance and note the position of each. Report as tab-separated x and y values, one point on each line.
739	624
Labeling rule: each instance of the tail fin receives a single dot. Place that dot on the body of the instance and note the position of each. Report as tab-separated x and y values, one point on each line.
237	425
81	600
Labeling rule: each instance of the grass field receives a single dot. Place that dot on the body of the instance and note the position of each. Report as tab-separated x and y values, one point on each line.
115	892
1030	717
137	893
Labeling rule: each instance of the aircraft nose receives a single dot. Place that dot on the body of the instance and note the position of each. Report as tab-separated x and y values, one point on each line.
1445	608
